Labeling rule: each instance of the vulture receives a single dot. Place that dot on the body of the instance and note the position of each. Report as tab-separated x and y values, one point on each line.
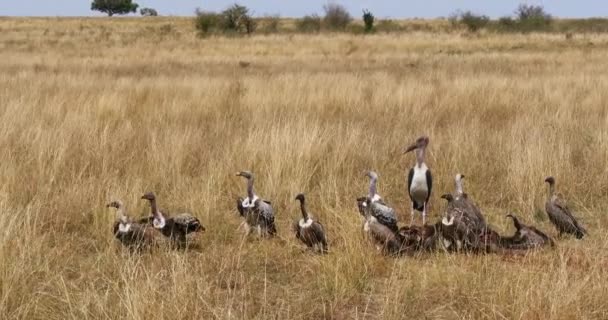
384	238
309	231
419	179
382	212
560	215
177	227
526	237
258	213
460	227
133	235
472	209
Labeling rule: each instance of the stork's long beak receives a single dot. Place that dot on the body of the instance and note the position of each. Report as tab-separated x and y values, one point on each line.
238	174
410	148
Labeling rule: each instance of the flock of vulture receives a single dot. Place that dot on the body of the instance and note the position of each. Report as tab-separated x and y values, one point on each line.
463	227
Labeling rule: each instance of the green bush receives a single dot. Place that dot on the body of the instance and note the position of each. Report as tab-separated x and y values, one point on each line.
112	7
473	22
234	20
207	22
527	18
336	17
148	12
237	19
368	20
309	24
270	24
506	22
532	18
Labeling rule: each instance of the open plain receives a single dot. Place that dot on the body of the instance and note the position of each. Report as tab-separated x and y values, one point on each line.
97	109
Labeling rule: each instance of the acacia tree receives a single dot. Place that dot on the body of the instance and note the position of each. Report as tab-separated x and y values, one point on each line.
112	7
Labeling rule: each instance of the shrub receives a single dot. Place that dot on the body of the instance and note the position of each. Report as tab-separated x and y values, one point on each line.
336	16
166	29
270	24
506	22
473	22
235	19
148	12
206	22
388	26
112	7
368	20
527	18
308	24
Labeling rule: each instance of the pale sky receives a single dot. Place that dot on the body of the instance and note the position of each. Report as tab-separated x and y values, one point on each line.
297	8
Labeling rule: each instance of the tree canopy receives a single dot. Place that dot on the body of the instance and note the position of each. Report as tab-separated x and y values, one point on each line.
112	7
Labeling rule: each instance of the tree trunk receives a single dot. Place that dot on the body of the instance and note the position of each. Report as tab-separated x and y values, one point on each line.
110	13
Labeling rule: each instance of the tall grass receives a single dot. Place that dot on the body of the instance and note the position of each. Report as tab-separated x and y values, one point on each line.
91	110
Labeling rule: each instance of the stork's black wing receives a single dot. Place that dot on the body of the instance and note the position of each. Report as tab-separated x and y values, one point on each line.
429	182
410	178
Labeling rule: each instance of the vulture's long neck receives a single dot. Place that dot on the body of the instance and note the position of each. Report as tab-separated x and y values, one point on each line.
303	209
459	187
551	189
373	190
516	223
154	208
121	216
250	188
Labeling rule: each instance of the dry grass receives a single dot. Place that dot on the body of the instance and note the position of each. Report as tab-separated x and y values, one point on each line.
94	109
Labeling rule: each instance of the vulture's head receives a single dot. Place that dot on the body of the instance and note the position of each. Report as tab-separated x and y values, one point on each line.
300	197
448	197
245	174
372	175
115	204
149	196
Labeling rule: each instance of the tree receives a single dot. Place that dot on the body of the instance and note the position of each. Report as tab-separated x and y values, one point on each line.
336	16
532	18
112	7
148	12
237	18
368	19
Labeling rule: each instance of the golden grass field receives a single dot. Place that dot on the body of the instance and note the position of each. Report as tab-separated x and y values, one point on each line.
98	109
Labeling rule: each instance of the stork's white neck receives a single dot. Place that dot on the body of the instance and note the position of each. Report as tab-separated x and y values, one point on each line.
420	152
420	168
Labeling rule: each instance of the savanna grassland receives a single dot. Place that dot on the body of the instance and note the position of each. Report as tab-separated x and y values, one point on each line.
93	110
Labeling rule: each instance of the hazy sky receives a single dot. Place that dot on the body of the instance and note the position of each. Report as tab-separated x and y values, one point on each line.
295	8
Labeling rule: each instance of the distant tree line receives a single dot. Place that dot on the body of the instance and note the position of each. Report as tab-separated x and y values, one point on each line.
239	20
